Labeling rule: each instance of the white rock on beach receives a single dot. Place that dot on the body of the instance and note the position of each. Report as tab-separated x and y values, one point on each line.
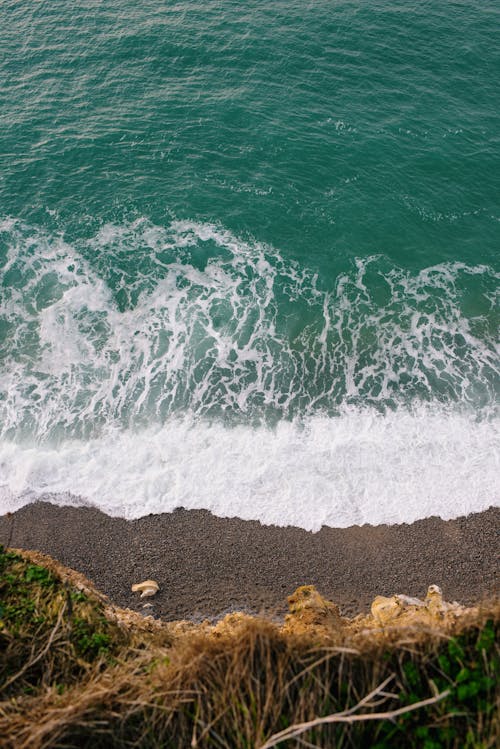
146	589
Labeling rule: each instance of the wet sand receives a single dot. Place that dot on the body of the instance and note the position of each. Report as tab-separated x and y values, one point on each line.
207	566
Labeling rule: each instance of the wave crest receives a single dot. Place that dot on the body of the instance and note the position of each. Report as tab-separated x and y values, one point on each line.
141	322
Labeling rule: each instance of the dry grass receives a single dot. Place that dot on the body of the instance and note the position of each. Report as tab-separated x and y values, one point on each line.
246	683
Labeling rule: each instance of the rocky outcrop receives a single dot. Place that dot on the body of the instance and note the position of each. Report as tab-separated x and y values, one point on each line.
405	610
309	610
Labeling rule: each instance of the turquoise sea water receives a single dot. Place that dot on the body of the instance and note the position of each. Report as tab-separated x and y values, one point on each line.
249	257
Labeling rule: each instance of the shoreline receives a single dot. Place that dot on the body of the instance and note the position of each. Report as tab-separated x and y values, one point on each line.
208	566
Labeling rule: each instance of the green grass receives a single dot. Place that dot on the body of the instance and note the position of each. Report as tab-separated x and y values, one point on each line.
49	631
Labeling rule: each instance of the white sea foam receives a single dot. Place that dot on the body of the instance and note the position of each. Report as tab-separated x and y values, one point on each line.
359	467
141	321
210	372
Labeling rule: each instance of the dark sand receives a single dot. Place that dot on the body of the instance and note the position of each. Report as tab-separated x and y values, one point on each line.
207	566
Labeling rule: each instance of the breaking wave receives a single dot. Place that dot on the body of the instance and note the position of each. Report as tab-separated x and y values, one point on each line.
148	368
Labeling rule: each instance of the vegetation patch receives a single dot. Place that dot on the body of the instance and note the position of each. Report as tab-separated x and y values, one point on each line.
50	632
88	676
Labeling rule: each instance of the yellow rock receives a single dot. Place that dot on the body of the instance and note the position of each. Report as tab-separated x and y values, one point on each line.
309	608
385	609
231	623
434	601
408	611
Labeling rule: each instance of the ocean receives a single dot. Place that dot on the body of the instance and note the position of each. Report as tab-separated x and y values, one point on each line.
249	258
